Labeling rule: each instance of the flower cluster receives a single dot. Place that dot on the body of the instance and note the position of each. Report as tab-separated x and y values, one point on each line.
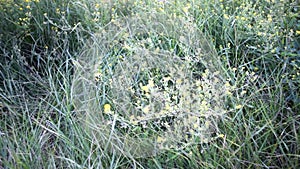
160	81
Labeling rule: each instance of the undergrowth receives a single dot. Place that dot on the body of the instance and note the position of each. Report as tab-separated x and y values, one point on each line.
149	84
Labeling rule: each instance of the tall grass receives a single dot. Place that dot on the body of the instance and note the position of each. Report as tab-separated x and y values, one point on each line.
149	84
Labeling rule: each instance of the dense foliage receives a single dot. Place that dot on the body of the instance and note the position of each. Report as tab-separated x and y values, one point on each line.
149	84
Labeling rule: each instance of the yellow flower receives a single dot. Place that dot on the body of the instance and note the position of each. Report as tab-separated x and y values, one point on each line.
186	8
270	18
150	83
161	9
298	32
145	88
146	109
226	16
238	106
243	92
229	93
178	81
107	108
221	135
160	139
168	107
227	84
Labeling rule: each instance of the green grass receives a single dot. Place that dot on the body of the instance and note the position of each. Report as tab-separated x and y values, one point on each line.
189	84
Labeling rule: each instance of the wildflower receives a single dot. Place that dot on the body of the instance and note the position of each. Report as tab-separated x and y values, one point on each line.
227	84
269	18
179	81
160	139
121	57
107	108
221	135
186	8
273	50
243	92
167	107
226	16
146	109
157	50
238	106
145	88
150	83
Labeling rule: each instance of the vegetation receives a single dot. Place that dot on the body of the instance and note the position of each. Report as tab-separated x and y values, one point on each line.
149	84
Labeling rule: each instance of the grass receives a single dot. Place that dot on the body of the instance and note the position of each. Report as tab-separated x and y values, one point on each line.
149	84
